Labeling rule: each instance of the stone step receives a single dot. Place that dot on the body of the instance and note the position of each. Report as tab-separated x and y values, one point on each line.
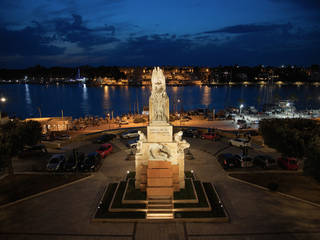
160	201
160	210
159	207
160	204
159	215
159	197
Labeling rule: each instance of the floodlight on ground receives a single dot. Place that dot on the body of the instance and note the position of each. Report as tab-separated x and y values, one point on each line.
3	99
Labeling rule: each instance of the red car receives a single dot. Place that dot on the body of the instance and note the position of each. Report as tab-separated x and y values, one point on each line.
104	149
288	163
210	136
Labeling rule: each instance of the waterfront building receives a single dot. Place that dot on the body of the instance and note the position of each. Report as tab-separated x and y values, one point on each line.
53	124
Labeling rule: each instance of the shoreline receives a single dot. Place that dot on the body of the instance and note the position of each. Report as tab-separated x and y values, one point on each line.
278	83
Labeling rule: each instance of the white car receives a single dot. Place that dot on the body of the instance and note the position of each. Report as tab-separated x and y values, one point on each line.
130	134
240	142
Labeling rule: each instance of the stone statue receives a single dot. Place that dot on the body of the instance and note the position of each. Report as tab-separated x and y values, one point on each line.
158	151
182	144
159	107
142	137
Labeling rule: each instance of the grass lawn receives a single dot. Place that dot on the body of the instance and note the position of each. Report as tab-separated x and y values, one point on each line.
21	186
295	184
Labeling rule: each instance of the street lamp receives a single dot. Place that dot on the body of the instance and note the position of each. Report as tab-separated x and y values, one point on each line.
3	100
241	106
180	111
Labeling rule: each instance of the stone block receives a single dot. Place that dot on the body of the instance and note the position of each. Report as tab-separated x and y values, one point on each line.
159	182
159	164
159	173
143	178
143	187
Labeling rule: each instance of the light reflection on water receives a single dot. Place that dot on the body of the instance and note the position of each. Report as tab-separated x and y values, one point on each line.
206	95
77	101
84	104
28	99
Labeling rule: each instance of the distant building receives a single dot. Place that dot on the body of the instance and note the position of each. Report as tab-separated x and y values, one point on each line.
53	124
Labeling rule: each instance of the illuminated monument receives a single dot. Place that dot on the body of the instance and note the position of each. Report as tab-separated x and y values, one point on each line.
160	188
160	155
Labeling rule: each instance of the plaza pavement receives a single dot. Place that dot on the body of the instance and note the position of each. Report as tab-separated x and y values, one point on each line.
254	213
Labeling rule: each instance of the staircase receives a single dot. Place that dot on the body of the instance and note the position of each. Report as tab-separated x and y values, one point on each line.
160	207
159	190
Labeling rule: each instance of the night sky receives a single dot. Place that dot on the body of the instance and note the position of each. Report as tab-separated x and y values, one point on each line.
166	32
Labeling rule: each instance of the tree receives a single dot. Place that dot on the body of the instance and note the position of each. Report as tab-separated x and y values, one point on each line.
13	137
30	132
298	138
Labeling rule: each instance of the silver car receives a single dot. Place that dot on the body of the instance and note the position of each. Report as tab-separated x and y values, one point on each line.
130	134
240	142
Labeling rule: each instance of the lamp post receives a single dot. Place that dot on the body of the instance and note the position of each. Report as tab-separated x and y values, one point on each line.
3	100
241	106
180	110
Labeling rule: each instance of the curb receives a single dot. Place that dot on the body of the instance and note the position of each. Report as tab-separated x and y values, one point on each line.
280	193
44	192
4	175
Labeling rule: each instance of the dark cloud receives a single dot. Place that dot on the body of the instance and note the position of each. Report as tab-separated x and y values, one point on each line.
74	30
272	47
28	41
250	28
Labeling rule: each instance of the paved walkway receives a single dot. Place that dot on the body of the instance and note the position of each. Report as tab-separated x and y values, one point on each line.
67	213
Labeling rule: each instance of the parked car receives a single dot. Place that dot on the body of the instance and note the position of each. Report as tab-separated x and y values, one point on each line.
210	136
245	161
104	138
243	126
139	120
188	133
264	161
228	160
63	137
123	122
130	134
33	150
132	143
72	163
104	150
288	163
239	142
90	162
185	118
56	162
